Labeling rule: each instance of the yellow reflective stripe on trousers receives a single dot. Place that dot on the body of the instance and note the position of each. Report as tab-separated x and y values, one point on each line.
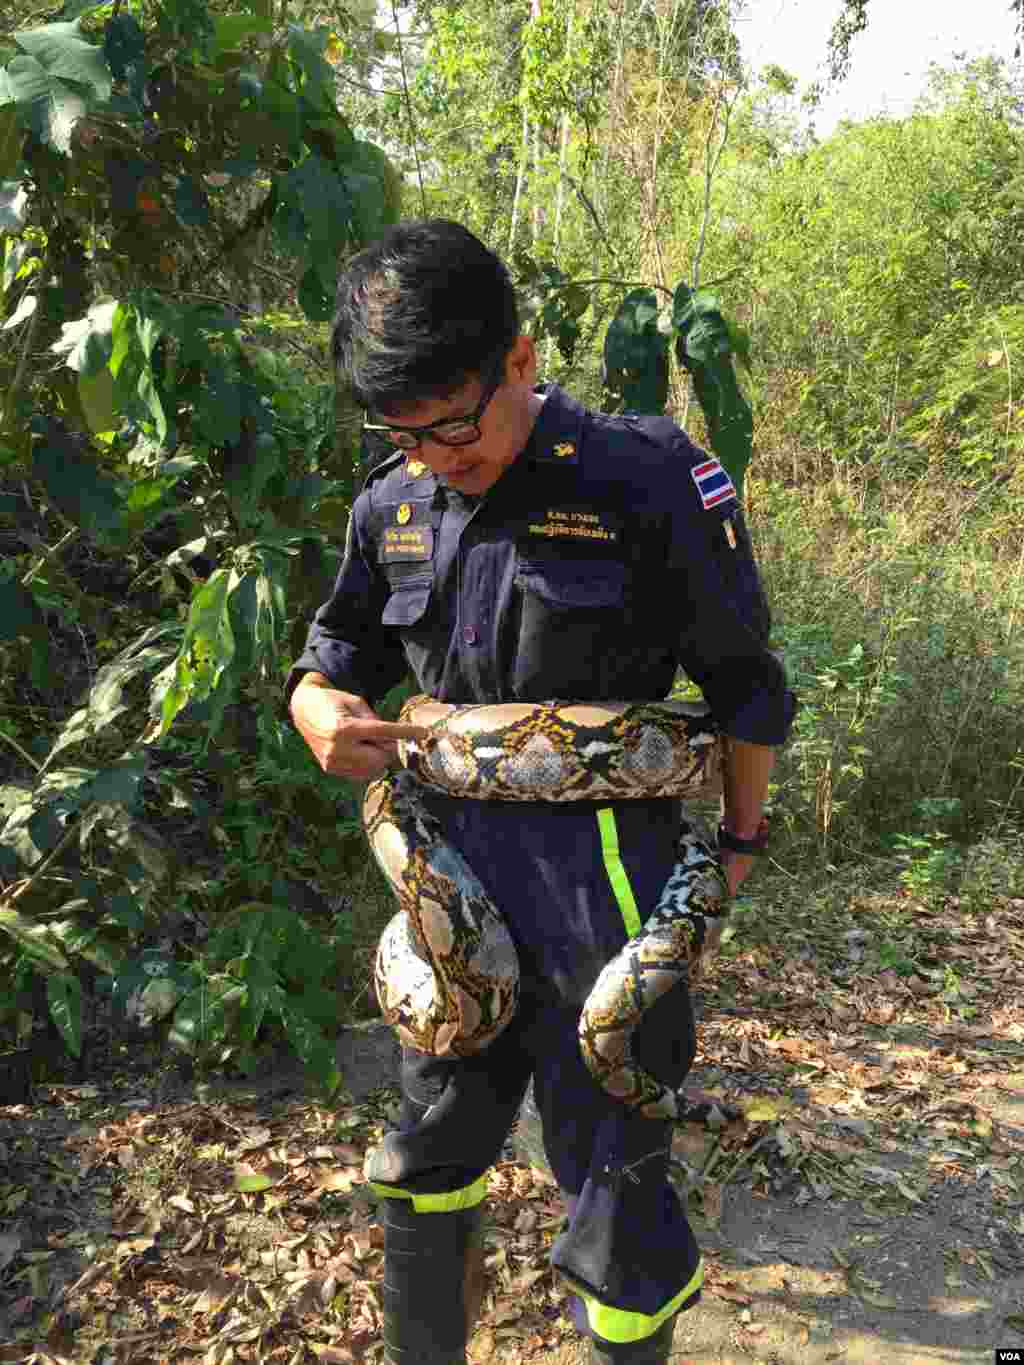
448	1201
616	872
617	1325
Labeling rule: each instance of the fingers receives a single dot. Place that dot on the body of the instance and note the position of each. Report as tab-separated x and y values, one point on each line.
344	734
386	730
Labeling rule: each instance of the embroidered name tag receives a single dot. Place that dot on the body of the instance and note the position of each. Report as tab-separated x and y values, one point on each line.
406	542
574	523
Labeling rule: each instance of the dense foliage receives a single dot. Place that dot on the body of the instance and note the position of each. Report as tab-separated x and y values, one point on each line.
178	187
157	163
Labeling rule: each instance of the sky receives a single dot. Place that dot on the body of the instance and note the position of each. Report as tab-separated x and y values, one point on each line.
890	59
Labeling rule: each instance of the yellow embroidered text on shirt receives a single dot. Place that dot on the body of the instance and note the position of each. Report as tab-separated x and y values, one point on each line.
573	524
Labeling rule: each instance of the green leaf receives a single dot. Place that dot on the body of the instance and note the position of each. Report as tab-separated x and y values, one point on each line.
149	330
122	336
96	394
74	483
64	994
316	76
206	650
636	354
704	346
206	1013
106	697
53	79
311	1046
252	1184
63	52
34	939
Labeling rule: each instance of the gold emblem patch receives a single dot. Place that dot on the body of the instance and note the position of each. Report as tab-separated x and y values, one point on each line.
564	449
403	514
415	469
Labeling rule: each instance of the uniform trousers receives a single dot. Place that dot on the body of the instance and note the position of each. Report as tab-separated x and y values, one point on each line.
568	878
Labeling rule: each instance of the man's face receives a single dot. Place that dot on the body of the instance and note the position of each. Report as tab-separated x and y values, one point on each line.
504	424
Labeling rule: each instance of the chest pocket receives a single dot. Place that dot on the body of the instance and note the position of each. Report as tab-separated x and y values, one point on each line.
570	616
408	602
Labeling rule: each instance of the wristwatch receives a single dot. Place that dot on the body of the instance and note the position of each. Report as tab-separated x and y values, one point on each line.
734	844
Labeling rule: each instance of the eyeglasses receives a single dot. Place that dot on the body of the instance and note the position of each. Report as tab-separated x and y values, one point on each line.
450	431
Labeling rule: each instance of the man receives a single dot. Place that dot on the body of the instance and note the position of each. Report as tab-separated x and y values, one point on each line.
518	548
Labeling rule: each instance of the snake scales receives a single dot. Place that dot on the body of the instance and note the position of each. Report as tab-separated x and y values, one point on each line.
447	974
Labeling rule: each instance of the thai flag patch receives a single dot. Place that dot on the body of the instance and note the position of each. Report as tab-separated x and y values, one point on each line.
713	483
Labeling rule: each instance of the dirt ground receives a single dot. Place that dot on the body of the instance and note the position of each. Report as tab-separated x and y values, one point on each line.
868	1209
781	1288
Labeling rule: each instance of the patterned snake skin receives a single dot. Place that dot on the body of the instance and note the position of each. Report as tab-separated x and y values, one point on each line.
447	974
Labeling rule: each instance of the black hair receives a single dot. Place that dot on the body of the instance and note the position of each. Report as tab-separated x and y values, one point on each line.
419	313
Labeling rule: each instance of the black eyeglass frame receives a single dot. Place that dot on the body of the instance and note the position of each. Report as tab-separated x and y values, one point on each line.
469	419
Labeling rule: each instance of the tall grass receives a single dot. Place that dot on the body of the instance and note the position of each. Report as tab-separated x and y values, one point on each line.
899	608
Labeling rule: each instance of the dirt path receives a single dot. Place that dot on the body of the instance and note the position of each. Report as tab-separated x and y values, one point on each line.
868	1210
828	1280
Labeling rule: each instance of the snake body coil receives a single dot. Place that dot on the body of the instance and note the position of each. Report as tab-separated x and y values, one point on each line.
447	974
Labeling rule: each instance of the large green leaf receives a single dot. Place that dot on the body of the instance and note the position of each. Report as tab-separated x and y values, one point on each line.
636	354
207	648
63	52
316	76
74	482
64	994
51	107
149	330
705	345
96	394
206	1015
369	160
54	78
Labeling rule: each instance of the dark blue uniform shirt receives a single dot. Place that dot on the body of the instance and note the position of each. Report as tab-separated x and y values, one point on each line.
610	553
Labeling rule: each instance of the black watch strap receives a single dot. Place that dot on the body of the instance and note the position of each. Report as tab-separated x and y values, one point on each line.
734	844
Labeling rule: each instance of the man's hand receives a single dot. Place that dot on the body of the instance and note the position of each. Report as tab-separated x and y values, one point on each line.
345	735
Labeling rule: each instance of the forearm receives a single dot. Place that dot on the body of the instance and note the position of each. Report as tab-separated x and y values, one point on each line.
748	768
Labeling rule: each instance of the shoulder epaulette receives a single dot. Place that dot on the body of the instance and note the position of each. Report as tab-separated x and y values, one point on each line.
559	452
385	467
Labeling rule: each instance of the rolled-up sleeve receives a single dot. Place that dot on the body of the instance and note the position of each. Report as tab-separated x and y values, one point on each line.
346	641
725	623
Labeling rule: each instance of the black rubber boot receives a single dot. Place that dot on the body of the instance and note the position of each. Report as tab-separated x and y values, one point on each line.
433	1283
653	1350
